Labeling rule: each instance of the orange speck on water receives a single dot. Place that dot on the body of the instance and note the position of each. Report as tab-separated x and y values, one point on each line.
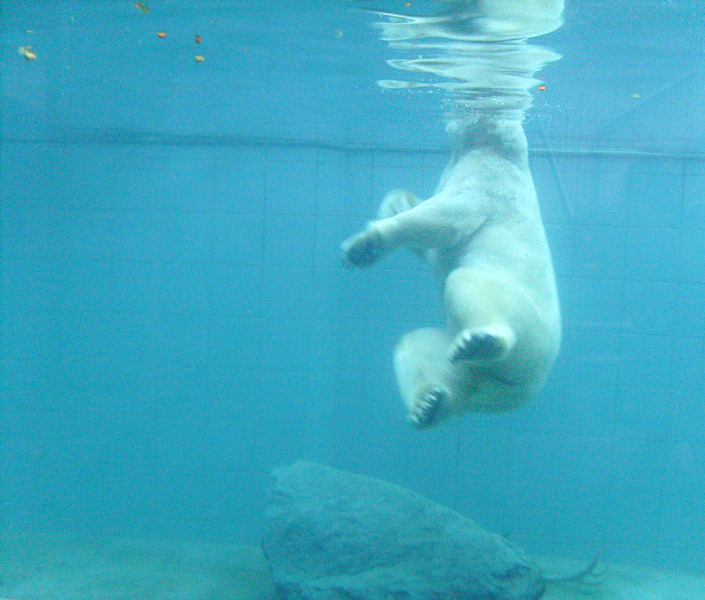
542	88
161	34
198	39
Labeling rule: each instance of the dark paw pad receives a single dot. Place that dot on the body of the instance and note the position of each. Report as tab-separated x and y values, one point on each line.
476	345
363	249
428	408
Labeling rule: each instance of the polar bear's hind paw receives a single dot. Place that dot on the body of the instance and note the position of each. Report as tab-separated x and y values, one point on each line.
427	409
480	345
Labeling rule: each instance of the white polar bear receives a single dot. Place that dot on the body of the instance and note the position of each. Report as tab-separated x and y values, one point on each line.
483	236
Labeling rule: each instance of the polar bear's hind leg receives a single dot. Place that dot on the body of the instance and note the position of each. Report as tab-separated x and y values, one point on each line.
481	309
429	406
423	374
482	344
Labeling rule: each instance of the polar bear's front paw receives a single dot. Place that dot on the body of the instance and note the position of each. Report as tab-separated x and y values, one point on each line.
485	344
364	248
428	408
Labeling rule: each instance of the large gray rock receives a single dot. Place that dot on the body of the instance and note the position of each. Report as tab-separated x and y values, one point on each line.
332	535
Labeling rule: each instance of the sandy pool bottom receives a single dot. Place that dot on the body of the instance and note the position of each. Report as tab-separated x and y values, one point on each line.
53	567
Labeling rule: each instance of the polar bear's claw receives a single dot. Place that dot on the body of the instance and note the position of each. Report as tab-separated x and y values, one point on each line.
427	408
477	345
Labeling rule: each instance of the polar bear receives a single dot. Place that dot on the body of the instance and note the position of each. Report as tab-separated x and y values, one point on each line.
483	236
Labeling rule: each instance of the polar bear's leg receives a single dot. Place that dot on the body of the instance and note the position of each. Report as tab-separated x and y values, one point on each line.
368	246
364	249
478	308
486	343
423	374
433	223
395	202
399	201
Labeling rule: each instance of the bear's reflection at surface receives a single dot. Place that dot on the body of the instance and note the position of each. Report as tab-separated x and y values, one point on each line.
483	236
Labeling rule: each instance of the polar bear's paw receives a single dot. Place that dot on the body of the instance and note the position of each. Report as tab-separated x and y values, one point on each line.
428	408
482	344
395	202
364	248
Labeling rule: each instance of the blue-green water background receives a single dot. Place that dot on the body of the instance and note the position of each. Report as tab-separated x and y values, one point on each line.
176	320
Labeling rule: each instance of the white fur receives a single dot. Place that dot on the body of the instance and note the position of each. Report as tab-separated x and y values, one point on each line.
482	234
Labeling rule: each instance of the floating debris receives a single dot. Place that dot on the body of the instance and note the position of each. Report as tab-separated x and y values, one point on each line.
199	58
198	39
161	34
27	52
143	6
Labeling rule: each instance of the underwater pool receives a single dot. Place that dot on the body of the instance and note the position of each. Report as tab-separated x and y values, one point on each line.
176	180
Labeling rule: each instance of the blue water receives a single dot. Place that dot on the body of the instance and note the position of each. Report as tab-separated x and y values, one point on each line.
176	320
